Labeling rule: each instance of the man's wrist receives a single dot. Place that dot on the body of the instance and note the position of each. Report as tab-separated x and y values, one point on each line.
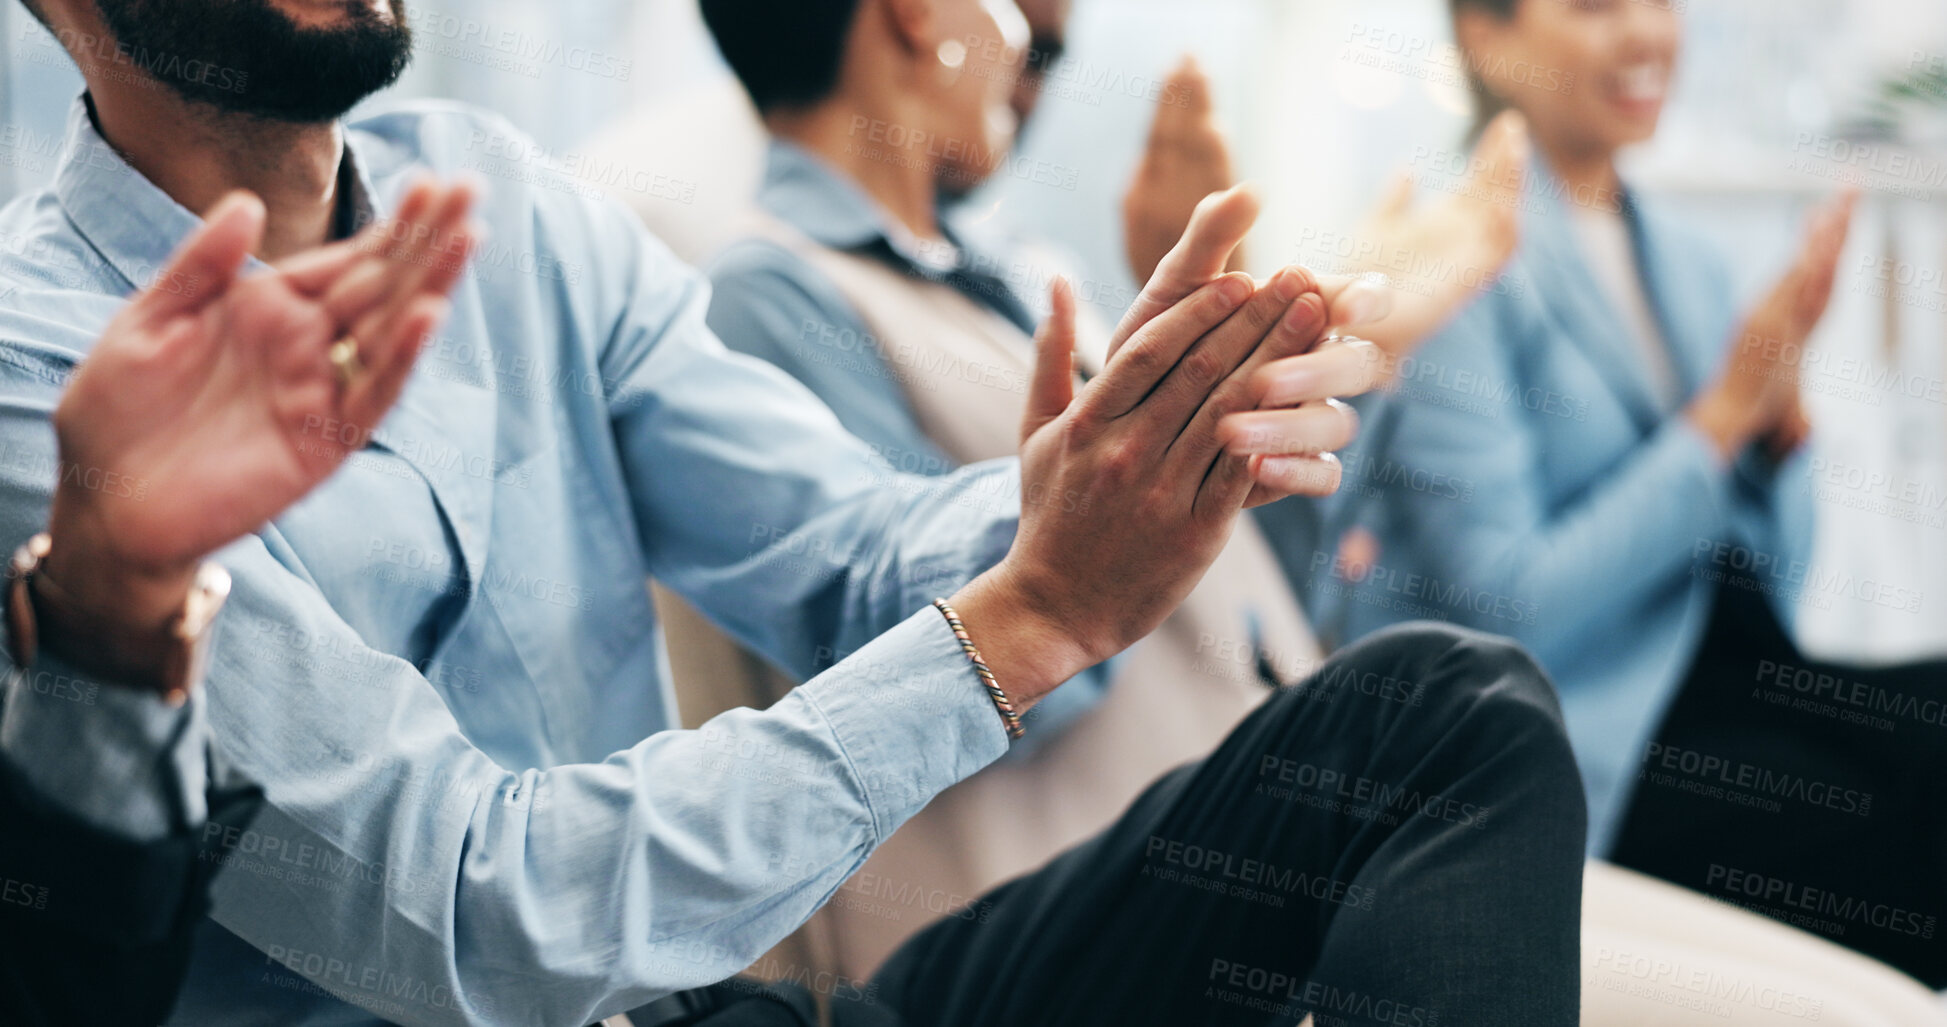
88	571
1030	650
106	616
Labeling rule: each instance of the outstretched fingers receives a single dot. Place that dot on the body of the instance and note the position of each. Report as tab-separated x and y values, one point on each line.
207	263
1135	370
389	337
387	251
368	398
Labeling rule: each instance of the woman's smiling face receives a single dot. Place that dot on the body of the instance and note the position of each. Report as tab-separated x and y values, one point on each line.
1590	74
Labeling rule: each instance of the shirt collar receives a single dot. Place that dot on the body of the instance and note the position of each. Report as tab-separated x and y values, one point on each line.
825	204
131	222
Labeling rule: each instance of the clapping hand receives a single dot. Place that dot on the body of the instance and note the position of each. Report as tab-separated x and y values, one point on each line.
232	395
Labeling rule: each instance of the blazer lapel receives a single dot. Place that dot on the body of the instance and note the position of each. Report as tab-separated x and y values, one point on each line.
1578	304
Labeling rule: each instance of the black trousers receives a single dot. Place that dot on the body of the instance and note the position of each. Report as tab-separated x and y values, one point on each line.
1397	841
1809	792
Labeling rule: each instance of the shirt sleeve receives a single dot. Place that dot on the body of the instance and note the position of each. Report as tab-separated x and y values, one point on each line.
809	543
114	758
117	760
399	868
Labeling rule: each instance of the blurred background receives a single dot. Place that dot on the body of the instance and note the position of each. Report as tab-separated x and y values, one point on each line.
1778	103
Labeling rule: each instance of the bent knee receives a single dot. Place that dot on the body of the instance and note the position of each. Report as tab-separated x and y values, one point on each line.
1459	665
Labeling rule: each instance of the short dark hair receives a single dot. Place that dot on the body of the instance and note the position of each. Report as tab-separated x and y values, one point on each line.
1486	104
787	53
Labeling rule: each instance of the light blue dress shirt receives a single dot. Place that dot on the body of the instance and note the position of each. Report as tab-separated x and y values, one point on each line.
1526	479
443	666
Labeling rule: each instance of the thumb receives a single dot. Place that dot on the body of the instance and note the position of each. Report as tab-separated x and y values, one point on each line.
1053	386
207	262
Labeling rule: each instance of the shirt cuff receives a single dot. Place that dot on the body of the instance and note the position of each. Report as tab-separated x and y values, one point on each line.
118	759
911	716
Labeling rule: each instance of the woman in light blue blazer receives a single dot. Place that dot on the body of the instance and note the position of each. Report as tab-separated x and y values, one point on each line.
1603	458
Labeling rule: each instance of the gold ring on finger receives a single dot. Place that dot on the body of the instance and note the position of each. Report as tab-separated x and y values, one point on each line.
343	355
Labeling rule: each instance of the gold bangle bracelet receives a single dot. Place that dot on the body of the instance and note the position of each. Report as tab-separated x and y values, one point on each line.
1009	718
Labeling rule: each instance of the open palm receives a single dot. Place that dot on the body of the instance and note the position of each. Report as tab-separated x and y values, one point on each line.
1444	254
216	391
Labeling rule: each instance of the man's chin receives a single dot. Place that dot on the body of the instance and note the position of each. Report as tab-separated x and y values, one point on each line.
267	59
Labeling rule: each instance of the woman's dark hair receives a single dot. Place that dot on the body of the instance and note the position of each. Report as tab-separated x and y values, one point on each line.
787	53
1486	104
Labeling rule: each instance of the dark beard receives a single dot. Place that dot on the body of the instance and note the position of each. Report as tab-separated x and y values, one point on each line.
247	57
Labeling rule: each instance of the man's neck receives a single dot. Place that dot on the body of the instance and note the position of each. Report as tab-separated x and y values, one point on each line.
901	181
197	155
